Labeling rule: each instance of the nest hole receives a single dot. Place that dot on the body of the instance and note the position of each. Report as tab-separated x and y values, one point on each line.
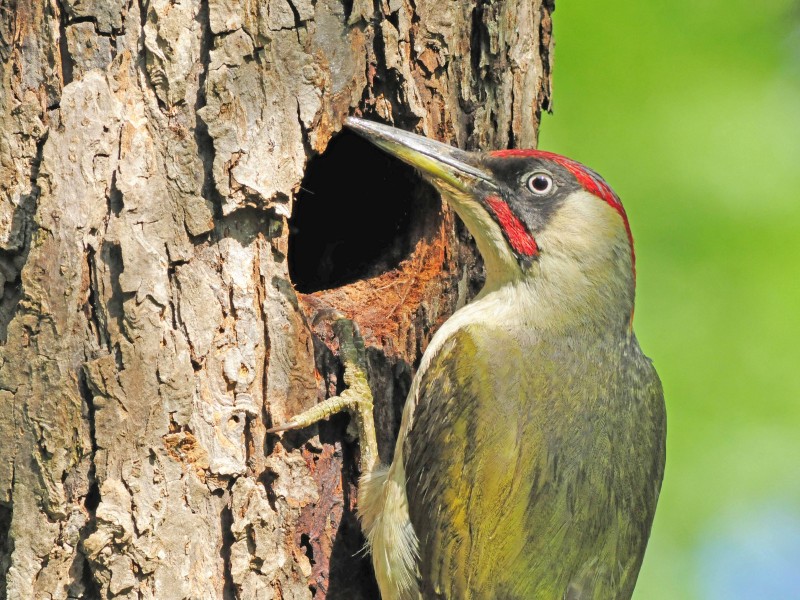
359	213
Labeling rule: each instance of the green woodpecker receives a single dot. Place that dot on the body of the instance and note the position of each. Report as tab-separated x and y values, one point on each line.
531	449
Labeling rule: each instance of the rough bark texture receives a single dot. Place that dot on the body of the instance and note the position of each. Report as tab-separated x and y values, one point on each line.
150	155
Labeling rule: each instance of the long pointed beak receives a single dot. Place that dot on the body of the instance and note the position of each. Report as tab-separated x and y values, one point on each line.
439	162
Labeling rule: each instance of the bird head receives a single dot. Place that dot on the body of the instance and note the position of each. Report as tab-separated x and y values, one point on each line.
537	218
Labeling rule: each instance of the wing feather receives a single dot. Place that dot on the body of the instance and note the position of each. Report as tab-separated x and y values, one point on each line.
526	467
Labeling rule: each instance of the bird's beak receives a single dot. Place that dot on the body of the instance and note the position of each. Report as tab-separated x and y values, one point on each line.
440	163
463	182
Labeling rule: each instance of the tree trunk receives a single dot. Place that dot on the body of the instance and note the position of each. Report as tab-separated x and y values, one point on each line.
159	312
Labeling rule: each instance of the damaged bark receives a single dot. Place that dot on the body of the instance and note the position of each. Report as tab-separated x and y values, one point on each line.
151	154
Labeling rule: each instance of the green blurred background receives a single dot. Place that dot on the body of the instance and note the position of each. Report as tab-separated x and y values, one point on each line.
691	110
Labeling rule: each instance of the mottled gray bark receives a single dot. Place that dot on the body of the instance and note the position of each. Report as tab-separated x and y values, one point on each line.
150	154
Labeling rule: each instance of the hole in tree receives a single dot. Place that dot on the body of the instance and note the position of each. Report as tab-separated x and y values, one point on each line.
359	213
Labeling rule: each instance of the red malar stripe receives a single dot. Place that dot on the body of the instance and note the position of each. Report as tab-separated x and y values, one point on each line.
519	238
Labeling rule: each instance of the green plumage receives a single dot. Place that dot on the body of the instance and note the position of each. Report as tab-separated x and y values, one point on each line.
537	465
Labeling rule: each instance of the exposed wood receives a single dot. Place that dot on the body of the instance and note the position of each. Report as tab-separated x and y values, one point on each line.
150	155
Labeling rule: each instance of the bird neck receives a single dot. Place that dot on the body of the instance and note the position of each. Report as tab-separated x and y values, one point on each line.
583	275
563	293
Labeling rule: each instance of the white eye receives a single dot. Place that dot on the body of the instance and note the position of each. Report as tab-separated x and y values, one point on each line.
540	183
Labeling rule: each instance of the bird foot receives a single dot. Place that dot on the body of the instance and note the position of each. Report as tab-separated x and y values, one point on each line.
356	399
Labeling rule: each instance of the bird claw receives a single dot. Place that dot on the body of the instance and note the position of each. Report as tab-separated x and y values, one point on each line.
285	427
356	399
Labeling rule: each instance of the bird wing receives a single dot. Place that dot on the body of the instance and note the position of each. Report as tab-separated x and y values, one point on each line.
531	468
461	455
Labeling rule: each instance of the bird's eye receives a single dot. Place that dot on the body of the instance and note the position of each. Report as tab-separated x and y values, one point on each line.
540	183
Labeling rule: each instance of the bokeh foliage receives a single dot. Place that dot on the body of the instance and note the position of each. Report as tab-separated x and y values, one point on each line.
691	110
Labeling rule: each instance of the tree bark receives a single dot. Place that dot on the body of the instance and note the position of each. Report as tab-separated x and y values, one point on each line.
151	152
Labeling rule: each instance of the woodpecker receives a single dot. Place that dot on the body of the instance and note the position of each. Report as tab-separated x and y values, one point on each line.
532	444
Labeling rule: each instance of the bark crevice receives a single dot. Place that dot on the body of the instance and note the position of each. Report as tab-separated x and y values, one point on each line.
88	495
226	522
15	255
63	47
6	543
203	139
